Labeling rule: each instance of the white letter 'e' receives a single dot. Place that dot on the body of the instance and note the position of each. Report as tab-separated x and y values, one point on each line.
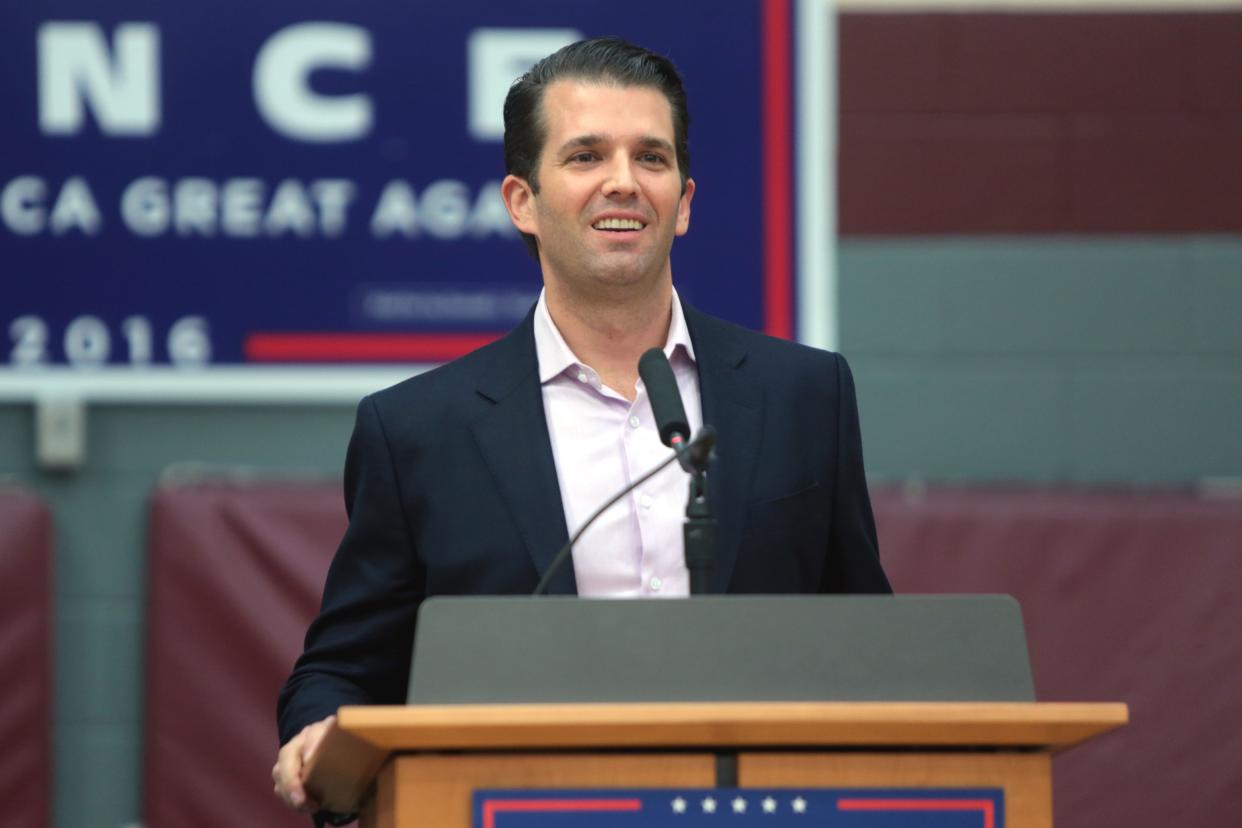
281	82
496	57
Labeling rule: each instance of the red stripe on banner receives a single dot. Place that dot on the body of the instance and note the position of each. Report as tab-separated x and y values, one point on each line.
777	252
984	806
491	807
357	347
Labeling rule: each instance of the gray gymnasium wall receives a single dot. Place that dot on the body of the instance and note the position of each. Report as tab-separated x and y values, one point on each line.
1063	361
977	361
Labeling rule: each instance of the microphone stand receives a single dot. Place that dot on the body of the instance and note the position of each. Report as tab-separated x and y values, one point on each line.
699	529
700	535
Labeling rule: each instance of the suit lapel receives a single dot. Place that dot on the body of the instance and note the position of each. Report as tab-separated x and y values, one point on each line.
733	404
512	434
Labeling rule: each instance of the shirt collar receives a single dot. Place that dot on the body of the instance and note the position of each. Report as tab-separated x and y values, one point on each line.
555	355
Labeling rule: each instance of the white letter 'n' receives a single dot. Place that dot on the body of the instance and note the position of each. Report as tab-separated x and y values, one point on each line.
76	69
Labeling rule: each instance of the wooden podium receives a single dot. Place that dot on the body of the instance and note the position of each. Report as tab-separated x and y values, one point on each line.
418	765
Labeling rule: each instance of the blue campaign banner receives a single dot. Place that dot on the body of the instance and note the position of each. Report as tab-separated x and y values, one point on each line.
234	183
742	807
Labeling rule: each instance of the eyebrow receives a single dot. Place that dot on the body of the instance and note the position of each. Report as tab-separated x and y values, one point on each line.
593	139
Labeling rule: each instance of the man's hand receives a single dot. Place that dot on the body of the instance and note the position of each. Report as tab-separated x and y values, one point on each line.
287	772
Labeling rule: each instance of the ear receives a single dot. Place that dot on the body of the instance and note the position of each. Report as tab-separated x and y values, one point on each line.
683	208
520	202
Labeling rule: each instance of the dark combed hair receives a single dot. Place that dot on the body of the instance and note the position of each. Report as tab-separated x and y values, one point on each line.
608	60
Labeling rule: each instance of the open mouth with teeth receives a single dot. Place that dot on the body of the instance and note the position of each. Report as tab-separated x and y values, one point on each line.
618	225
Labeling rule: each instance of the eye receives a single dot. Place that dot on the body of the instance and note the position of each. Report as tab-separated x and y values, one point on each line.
652	158
581	158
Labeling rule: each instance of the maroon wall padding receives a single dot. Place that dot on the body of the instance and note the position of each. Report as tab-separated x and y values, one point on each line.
236	573
972	123
25	658
1126	597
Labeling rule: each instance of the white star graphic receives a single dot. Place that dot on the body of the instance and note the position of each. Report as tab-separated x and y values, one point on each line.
769	805
679	805
709	805
799	805
739	805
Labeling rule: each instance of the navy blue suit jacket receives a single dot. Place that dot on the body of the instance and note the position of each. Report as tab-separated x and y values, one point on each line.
451	489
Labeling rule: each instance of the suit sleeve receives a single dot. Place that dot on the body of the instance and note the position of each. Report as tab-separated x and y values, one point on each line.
357	650
854	555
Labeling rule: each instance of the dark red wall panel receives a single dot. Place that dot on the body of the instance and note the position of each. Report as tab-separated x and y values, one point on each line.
999	63
1214	81
941	173
25	658
1040	123
235	575
1173	172
893	63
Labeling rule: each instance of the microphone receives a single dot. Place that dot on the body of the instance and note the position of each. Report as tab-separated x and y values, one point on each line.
699	530
670	414
661	385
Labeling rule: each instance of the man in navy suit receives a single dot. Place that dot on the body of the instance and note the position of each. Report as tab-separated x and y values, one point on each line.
466	479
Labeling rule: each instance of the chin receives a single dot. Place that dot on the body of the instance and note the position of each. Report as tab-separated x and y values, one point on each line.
625	273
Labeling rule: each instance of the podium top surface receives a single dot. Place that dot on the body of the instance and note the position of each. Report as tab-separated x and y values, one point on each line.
1047	725
363	738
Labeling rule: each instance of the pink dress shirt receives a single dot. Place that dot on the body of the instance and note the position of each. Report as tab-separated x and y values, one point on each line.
601	442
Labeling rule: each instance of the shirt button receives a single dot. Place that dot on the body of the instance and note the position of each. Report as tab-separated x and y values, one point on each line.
633	421
645	501
582	377
655	583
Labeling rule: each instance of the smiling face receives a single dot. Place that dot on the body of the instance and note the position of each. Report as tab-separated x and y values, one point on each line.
610	197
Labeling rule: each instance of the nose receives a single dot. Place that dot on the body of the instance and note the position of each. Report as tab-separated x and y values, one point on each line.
620	180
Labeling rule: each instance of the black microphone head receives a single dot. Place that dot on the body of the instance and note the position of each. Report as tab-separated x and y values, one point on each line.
661	385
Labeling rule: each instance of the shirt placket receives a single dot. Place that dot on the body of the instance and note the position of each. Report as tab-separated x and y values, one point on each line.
641	437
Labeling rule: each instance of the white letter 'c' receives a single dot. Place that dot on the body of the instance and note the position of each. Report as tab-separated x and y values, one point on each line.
282	90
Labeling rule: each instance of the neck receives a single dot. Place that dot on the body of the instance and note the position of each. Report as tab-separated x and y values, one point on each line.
611	336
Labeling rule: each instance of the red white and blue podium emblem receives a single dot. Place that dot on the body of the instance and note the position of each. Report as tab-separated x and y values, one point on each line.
742	808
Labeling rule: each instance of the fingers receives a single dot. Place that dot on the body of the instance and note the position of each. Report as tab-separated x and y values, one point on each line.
291	763
287	773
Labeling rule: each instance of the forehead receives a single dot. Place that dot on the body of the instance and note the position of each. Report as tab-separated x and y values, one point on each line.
580	107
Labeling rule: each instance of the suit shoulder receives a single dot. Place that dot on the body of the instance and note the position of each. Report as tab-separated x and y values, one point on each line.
452	389
765	349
